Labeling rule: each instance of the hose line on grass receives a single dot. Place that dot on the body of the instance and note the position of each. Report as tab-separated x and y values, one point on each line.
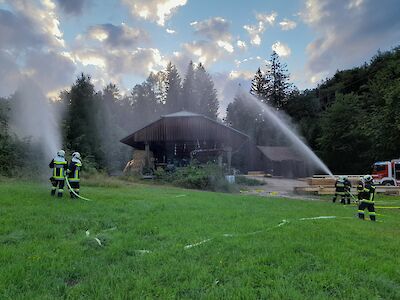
73	192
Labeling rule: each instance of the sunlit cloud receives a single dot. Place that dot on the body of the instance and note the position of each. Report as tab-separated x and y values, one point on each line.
158	11
281	49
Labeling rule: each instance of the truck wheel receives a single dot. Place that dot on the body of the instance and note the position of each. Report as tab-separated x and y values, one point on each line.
388	183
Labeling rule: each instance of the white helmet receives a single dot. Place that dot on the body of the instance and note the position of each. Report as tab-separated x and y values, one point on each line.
76	155
368	178
61	153
341	178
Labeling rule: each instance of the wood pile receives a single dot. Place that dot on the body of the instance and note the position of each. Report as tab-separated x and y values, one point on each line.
325	185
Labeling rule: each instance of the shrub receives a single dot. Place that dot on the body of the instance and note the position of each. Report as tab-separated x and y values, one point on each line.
242	180
203	177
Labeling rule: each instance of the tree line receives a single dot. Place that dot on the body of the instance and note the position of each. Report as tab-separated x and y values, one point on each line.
93	122
350	120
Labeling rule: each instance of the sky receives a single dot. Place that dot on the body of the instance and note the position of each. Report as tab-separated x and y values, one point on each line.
122	41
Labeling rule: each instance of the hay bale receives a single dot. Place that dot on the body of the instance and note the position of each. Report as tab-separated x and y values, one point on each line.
138	162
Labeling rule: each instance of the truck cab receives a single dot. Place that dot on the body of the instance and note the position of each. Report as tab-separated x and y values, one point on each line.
386	172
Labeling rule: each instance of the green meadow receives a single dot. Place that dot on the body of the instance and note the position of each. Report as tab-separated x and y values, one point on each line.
136	241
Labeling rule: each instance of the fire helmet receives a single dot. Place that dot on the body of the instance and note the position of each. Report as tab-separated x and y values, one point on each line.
76	155
368	178
61	153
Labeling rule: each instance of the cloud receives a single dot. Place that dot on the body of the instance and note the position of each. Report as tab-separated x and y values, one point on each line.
254	61
31	46
247	75
227	85
241	45
267	18
72	7
287	24
255	31
281	49
170	31
214	29
204	51
30	24
348	32
119	62
117	36
216	44
158	11
56	73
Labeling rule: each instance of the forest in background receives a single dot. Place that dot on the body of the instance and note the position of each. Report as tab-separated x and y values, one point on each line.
350	120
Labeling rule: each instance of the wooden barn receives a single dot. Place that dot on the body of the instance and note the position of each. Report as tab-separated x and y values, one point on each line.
179	137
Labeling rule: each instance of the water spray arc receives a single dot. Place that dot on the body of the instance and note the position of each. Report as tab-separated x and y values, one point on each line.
292	137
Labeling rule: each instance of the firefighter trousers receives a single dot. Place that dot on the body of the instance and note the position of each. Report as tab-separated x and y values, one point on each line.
371	210
75	187
57	183
345	198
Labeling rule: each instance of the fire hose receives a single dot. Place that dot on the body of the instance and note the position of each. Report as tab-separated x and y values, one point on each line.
388	207
73	192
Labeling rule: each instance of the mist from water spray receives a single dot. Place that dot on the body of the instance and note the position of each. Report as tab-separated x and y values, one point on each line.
33	117
297	143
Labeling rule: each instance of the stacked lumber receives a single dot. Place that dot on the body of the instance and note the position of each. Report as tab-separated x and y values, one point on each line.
256	173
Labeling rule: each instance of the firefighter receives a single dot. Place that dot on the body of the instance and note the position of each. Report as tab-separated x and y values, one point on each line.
360	187
340	189
347	188
366	197
58	164
74	171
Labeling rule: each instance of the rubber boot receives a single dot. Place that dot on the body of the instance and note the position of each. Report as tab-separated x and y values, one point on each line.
334	199
372	217
60	193
348	200
361	215
53	191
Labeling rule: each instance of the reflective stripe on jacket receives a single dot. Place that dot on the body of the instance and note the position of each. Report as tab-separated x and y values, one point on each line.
74	171
59	170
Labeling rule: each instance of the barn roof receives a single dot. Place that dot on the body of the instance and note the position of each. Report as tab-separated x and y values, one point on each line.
278	153
185	126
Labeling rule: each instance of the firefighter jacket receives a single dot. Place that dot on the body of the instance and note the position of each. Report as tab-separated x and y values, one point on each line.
74	170
347	185
58	164
368	193
360	186
340	187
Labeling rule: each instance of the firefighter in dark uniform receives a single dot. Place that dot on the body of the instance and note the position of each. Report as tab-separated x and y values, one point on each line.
360	187
340	189
73	172
367	199
347	187
59	165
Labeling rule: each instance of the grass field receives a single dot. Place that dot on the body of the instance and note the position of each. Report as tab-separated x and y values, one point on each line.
138	241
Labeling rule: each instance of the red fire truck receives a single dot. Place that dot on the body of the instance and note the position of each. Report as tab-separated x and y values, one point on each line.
386	172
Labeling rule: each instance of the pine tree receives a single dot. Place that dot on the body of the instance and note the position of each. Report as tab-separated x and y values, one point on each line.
82	133
277	85
188	89
205	95
173	100
258	85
